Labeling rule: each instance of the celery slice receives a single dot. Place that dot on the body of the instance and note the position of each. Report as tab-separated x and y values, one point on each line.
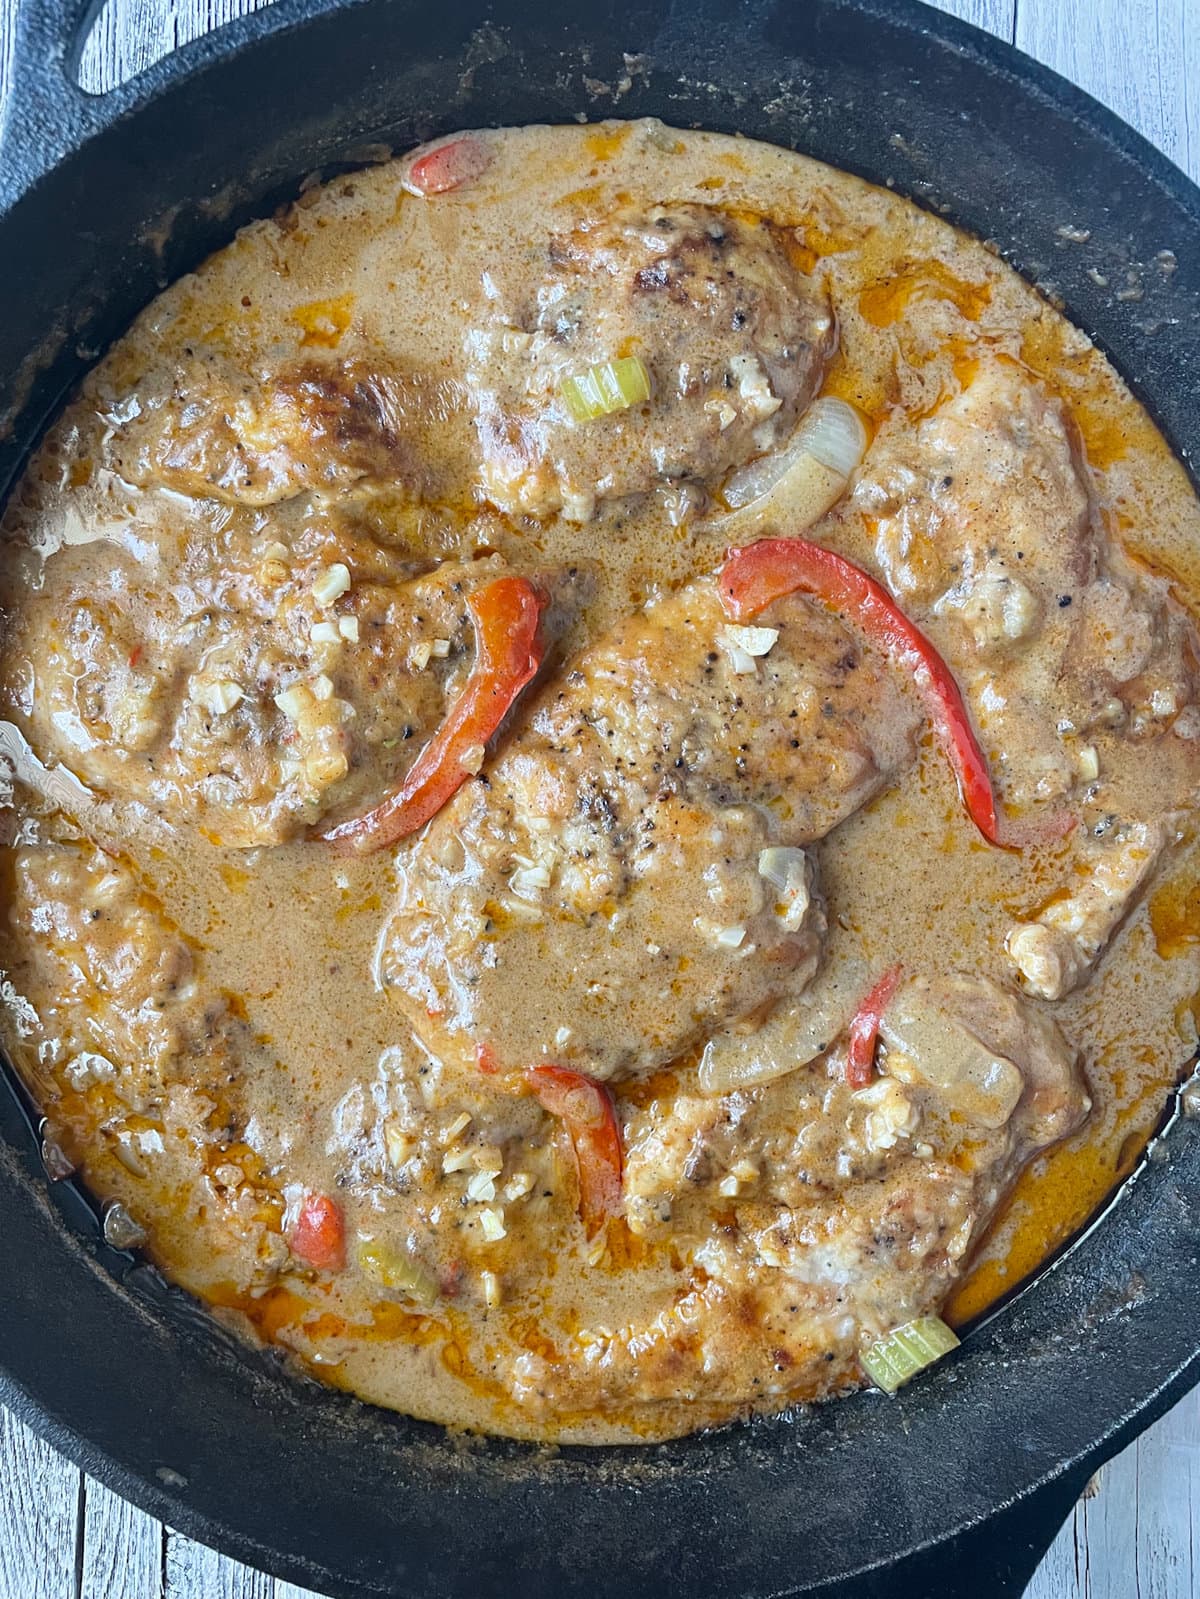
610	386
906	1351
398	1271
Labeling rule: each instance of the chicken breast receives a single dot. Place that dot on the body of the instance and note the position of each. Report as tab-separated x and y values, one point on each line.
630	873
1077	662
141	1065
846	1213
238	684
211	428
734	337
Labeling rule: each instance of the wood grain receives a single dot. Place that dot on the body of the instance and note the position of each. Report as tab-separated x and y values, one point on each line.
40	1495
122	1549
194	1572
1134	1537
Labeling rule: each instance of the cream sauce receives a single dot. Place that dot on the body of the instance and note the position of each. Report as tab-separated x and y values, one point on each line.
331	1091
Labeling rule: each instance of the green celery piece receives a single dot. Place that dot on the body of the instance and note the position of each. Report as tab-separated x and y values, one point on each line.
399	1272
906	1351
605	388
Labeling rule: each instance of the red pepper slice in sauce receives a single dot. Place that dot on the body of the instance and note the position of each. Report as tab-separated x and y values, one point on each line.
448	166
864	1029
586	1109
508	653
318	1235
756	575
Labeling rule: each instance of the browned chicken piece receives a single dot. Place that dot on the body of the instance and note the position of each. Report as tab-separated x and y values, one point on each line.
735	339
631	872
211	427
248	690
141	1068
848	1212
1077	663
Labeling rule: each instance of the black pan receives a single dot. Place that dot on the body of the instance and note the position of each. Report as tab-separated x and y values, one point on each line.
956	1486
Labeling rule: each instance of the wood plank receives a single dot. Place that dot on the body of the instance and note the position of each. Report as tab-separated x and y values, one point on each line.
194	1571
40	1495
1140	57
122	1548
130	34
994	16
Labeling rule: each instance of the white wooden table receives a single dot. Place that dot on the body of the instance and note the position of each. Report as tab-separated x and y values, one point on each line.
1135	1535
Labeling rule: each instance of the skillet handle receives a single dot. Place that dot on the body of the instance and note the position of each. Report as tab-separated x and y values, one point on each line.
48	114
49	117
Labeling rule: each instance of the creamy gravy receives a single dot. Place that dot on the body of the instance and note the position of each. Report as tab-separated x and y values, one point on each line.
205	1011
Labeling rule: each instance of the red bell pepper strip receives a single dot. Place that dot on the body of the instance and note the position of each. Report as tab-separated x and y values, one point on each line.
318	1235
757	574
448	166
864	1029
508	653
586	1109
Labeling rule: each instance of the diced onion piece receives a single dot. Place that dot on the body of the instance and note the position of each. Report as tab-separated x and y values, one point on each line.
398	1271
906	1351
610	386
823	451
743	646
56	784
331	584
491	1223
781	865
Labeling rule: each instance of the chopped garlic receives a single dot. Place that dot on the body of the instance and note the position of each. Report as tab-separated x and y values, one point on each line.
730	937
457	1126
275	552
321	687
518	1185
399	1147
743	645
492	1224
440	648
294	701
457	1160
891	1115
488	1158
561	1037
526	882
418	655
745	1171
491	1289
218	697
471	759
325	633
348	628
1088	762
754	640
481	1187
787	869
729	1187
331	584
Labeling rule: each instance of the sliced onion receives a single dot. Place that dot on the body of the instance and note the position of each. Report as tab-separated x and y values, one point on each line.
787	1040
56	784
823	451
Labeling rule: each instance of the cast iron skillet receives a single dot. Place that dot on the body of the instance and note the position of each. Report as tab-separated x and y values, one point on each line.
956	1486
